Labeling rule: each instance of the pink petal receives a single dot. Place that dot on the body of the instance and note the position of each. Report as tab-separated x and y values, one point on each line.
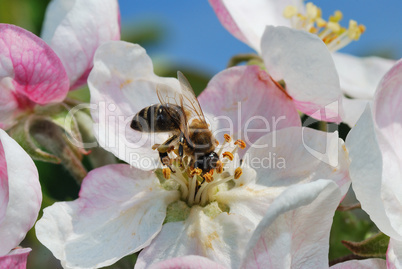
246	20
30	68
75	29
362	264
295	231
299	155
359	76
187	262
119	211
24	194
3	184
246	104
16	259
122	83
303	61
394	254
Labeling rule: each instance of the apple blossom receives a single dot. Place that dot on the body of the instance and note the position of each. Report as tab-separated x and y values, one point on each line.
375	152
180	211
20	200
122	210
247	22
294	233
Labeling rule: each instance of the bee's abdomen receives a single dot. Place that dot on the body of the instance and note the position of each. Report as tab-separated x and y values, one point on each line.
157	118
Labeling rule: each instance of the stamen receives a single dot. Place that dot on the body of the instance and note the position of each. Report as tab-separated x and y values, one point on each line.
289	12
219	167
227	137
208	177
240	143
192	186
238	173
166	173
228	155
332	33
196	171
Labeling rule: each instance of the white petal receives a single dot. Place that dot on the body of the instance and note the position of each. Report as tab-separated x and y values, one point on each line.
249	199
295	231
353	109
394	254
187	262
75	29
119	211
298	155
305	64
366	172
221	239
362	264
358	76
24	194
387	107
122	83
246	20
387	111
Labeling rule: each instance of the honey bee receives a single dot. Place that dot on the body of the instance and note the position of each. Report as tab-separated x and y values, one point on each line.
180	114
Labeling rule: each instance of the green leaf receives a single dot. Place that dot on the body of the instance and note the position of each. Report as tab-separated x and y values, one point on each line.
375	246
349	225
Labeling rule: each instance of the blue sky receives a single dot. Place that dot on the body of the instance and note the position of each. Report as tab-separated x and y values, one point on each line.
194	36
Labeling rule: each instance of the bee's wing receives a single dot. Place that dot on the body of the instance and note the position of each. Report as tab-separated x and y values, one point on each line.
189	100
167	95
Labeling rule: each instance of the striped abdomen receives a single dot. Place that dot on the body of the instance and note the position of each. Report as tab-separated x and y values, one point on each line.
158	118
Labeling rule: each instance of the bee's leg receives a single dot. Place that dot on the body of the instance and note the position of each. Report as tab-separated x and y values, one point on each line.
163	152
165	160
181	143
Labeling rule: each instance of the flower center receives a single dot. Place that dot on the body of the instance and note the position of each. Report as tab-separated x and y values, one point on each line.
198	187
331	32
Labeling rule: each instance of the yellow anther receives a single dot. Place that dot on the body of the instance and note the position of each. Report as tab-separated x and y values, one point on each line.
334	26
195	171
219	167
313	30
338	14
362	28
166	173
238	172
321	22
289	12
155	146
208	177
354	30
228	155
312	11
227	137
336	17
240	143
